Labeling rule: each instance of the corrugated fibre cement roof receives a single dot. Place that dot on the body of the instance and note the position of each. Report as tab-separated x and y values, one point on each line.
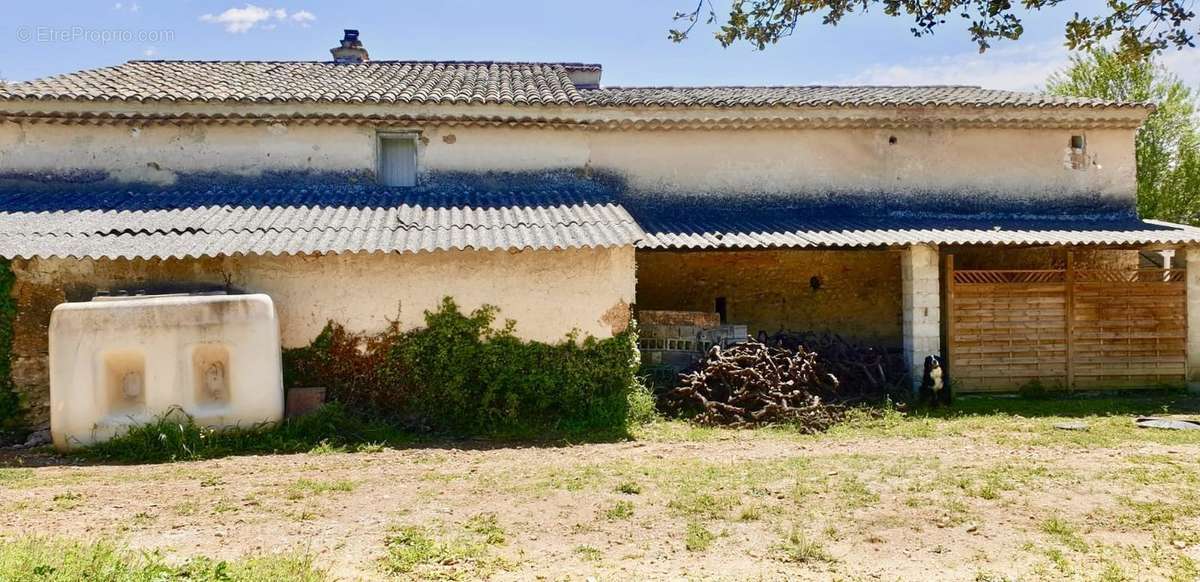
208	218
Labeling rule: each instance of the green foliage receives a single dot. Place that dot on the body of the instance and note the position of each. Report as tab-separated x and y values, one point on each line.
1168	143
462	374
42	559
470	377
176	437
9	407
1142	27
698	538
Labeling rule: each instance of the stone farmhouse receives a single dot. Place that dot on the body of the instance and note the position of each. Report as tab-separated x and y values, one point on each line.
995	228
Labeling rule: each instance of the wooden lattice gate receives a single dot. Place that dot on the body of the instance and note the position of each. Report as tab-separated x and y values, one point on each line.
1065	328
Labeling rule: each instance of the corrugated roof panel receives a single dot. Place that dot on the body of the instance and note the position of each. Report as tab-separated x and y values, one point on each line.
145	224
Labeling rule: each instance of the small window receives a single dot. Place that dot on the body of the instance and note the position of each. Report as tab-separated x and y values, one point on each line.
398	160
1078	154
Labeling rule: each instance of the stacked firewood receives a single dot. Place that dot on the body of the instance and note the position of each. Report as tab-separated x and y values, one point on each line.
864	372
751	384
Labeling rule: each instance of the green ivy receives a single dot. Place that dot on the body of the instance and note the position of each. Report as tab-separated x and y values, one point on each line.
9	406
462	374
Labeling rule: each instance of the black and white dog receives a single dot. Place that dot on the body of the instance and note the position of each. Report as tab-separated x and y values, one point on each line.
933	387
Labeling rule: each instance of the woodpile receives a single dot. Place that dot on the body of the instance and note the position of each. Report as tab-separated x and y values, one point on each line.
752	384
864	372
810	381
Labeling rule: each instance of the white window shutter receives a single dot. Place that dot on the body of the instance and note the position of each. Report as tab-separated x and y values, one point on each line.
398	161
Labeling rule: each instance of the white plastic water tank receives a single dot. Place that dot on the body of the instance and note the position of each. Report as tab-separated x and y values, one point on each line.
118	362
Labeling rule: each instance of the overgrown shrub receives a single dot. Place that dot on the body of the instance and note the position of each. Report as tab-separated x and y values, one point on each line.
9	408
462	374
360	371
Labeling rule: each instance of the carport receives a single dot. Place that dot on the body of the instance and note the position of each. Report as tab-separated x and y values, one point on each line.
1009	303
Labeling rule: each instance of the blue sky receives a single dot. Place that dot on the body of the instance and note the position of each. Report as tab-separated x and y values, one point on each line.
627	36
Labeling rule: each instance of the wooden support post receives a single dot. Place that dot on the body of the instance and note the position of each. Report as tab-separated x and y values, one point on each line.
1191	264
949	313
1070	317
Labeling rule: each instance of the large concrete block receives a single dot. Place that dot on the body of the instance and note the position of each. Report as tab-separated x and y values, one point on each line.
123	362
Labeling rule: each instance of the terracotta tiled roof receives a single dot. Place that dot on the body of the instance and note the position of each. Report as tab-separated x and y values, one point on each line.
319	82
475	82
831	96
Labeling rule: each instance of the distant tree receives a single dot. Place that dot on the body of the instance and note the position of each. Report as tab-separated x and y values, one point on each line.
1142	27
1168	143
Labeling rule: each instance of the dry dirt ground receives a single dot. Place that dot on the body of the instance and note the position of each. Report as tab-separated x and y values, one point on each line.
977	497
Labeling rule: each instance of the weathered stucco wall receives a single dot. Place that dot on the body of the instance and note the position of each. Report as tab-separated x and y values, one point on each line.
963	161
858	295
1025	162
548	293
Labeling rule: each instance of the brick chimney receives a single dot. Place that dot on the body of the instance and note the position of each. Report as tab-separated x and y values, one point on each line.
351	50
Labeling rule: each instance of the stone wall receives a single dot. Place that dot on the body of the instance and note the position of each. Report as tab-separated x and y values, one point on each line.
548	294
857	293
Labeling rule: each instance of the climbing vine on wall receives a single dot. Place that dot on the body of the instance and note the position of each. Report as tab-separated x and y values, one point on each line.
462	374
9	408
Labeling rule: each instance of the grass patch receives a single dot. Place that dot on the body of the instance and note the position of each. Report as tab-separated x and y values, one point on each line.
418	552
703	505
855	494
750	513
796	547
68	500
698	538
1064	533
589	553
177	437
32	559
1060	561
1143	515
11	477
629	488
1030	421
302	488
620	510
411	549
486	525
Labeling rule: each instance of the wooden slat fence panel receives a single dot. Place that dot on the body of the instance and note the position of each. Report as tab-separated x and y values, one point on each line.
1066	329
1009	329
1130	329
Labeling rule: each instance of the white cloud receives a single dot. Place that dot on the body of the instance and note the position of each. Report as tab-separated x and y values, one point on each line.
303	18
1023	67
132	7
150	51
241	20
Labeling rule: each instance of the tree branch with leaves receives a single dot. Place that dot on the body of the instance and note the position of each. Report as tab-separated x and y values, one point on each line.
1167	144
1141	27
